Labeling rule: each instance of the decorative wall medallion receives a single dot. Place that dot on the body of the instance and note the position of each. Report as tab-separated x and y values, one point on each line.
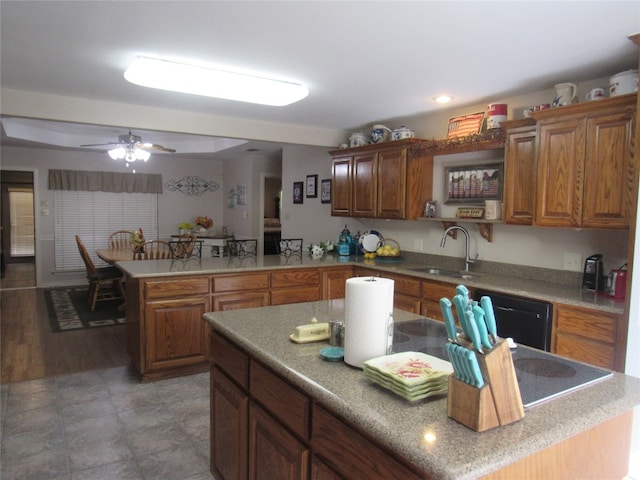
192	185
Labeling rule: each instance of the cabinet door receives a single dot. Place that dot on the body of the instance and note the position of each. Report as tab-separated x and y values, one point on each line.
175	333
392	183
334	283
273	451
432	292
235	301
609	170
364	185
296	286
561	146
519	176
320	471
229	428
341	186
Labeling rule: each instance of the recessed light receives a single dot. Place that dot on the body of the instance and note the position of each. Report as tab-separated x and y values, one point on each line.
210	82
443	98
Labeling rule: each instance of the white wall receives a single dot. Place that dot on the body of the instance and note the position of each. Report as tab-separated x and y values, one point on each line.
173	207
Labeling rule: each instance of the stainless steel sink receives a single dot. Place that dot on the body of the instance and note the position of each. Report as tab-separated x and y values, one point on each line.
443	272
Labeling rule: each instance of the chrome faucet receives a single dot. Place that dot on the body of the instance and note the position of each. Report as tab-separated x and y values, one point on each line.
467	260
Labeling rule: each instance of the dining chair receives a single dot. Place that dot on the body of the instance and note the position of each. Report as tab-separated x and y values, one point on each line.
153	250
121	239
105	283
242	248
290	246
186	246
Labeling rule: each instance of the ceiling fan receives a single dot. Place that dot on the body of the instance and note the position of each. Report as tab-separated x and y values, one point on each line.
131	148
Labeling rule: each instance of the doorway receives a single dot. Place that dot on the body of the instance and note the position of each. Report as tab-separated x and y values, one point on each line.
271	210
17	229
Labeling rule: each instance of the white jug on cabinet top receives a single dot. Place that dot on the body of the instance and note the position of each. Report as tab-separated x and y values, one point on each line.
565	94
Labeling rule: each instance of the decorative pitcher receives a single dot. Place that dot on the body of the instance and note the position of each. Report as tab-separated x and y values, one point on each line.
379	134
565	94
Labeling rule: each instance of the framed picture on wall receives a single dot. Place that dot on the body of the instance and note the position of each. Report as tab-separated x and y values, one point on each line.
312	186
297	192
325	190
473	184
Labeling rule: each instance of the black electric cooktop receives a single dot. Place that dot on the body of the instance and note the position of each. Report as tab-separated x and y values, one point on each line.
541	375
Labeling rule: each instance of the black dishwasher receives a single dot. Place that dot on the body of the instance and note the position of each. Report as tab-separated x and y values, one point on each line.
526	321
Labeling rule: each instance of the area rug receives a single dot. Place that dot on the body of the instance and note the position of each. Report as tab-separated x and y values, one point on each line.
69	310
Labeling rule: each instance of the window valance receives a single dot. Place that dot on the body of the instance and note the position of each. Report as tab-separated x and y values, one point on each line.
114	182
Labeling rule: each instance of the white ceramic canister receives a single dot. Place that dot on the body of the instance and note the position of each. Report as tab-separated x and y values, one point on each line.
496	113
402	133
623	83
357	140
492	210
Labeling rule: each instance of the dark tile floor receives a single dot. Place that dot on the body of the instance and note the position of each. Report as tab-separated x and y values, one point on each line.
105	424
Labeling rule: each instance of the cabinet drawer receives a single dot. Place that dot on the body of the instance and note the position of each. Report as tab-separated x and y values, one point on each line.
186	287
296	295
585	350
232	283
597	325
296	278
432	292
404	285
233	361
284	402
349	453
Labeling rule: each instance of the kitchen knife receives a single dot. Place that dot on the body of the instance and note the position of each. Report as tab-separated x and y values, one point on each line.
449	321
458	301
464	291
474	334
478	314
453	358
474	367
489	317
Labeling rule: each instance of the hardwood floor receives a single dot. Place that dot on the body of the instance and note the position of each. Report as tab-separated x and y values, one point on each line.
29	350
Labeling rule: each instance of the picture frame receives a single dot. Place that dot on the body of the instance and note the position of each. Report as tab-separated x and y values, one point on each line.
473	184
312	186
325	190
464	125
297	192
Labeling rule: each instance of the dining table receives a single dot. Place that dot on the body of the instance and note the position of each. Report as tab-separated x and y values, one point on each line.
113	255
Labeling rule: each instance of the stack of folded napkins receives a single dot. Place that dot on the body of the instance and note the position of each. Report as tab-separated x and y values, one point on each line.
412	375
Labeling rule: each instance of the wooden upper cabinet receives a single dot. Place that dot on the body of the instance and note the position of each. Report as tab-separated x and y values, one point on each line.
364	184
341	186
519	172
392	183
586	164
381	181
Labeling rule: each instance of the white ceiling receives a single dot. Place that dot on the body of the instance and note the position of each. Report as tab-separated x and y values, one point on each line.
362	61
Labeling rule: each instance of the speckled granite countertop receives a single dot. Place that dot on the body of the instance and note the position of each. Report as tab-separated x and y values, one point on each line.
457	452
541	290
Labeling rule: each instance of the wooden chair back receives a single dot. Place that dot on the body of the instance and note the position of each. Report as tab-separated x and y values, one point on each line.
86	258
153	250
290	246
242	248
186	246
121	239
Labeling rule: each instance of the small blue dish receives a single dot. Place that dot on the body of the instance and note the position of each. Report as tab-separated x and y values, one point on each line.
332	354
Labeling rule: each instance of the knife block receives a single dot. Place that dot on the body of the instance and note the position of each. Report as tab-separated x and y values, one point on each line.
497	403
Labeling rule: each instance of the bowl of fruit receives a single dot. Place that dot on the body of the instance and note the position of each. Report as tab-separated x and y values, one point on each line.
388	249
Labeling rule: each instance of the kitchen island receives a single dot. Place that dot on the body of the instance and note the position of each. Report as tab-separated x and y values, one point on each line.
326	420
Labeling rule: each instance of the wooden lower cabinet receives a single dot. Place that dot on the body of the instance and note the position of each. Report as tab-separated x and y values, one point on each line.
588	336
334	282
406	289
263	428
432	292
235	291
273	452
296	285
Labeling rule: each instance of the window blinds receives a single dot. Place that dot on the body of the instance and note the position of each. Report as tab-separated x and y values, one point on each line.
94	216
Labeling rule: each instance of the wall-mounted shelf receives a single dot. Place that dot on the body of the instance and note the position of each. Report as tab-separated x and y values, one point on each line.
485	227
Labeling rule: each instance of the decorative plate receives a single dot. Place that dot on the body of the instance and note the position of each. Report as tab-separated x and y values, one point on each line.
369	241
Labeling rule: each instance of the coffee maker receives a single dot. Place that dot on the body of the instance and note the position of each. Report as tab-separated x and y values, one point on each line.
592	278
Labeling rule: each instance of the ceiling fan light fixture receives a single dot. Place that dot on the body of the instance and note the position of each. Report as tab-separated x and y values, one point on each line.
209	82
130	155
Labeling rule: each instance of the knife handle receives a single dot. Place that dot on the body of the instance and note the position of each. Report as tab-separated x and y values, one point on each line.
449	321
464	292
474	367
489	317
458	301
474	334
478	314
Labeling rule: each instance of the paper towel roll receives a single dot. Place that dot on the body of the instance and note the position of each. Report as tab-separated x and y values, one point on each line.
368	317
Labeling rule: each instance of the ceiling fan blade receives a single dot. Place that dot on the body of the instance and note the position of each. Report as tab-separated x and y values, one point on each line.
100	144
153	146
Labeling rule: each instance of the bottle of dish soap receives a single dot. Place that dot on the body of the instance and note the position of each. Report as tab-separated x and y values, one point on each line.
344	242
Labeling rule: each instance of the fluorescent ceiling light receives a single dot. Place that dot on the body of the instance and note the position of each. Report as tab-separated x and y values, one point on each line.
443	98
180	77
